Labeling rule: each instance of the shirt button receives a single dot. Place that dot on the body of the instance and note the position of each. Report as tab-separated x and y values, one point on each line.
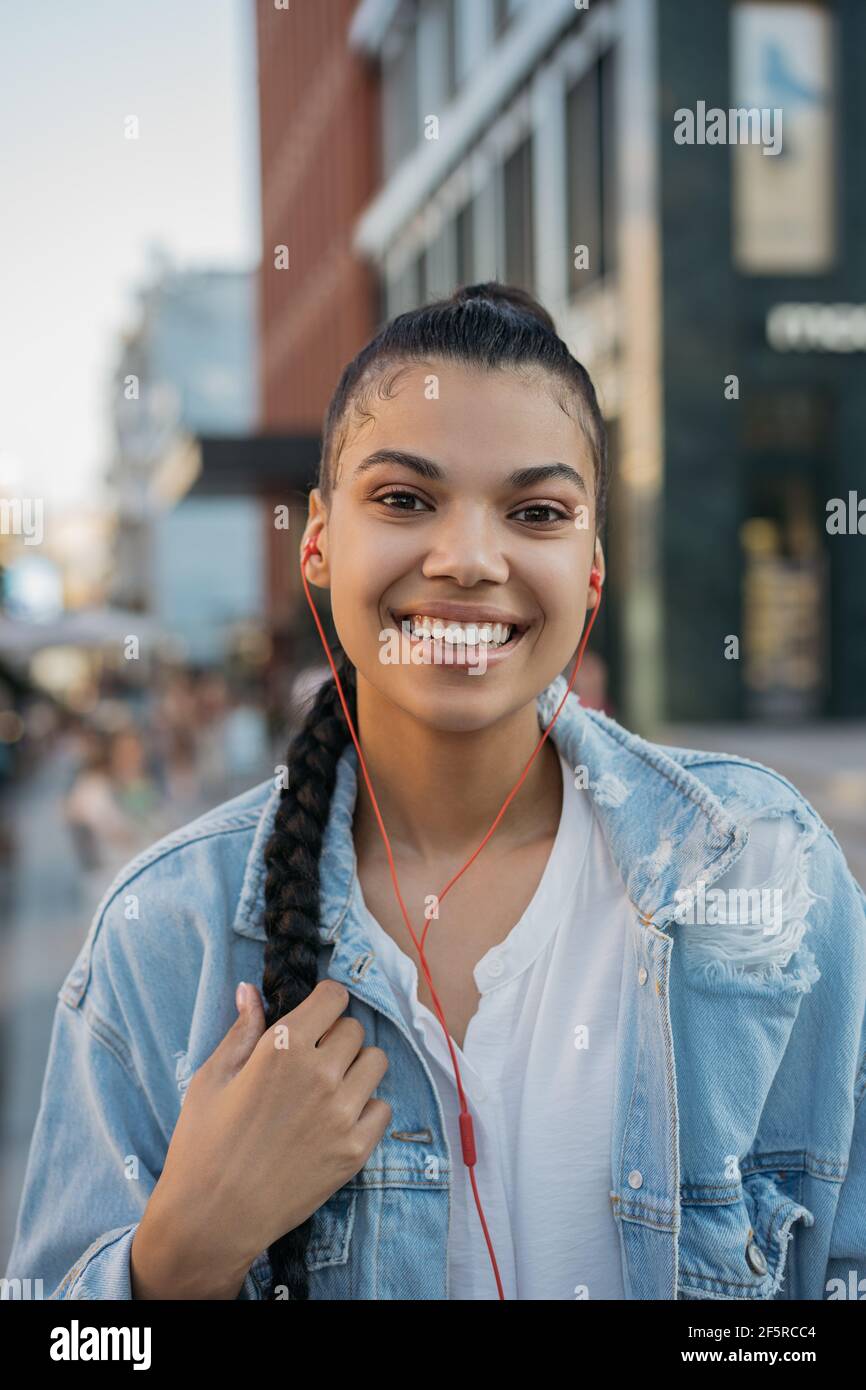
755	1258
635	1179
495	966
642	975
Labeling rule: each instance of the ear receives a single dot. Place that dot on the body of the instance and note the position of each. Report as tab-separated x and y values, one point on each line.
316	566
592	597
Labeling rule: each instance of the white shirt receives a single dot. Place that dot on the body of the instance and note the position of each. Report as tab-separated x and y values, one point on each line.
540	1091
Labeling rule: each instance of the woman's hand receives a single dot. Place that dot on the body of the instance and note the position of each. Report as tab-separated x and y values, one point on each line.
272	1124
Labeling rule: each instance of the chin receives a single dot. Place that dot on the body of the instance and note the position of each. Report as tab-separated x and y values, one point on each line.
461	704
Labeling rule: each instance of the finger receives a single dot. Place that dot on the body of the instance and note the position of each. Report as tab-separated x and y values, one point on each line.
315	1014
237	1046
364	1075
373	1122
342	1042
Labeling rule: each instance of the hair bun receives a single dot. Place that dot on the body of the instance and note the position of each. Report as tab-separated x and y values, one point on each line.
512	296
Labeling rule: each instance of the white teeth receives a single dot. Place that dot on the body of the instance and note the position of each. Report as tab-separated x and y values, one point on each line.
494	634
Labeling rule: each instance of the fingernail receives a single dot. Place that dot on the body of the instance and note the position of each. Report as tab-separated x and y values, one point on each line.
240	996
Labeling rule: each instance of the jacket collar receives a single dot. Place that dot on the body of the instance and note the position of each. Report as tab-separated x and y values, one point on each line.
665	829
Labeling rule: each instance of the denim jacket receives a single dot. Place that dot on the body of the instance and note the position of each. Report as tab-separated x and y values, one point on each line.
738	1153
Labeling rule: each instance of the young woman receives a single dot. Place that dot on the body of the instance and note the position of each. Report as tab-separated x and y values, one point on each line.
653	975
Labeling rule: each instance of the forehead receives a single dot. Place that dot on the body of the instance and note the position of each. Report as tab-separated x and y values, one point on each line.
446	409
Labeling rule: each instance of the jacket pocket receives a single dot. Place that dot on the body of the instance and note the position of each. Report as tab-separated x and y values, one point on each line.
331	1235
329	1241
738	1248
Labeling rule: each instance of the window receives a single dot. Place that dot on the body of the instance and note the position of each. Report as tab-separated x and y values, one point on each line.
436	56
464	229
420	280
400	123
591	173
380	302
405	290
451	82
783	184
519	240
786	459
439	270
503	13
607	114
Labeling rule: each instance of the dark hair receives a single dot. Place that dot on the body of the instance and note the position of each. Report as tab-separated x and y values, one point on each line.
488	325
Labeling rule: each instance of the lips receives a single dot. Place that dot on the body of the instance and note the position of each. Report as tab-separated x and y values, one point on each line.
458	648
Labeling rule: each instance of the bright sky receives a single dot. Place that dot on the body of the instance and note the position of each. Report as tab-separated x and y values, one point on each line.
82	207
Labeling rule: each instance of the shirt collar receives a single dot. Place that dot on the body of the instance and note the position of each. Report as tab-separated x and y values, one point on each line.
664	827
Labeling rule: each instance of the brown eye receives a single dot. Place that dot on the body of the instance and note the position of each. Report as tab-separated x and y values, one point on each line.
410	496
553	514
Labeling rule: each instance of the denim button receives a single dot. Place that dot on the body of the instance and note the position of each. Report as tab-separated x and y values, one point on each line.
642	975
635	1179
755	1258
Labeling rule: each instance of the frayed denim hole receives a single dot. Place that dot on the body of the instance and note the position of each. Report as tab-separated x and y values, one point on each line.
745	944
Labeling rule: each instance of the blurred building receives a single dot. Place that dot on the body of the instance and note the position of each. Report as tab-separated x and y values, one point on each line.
534	141
715	292
318	300
186	373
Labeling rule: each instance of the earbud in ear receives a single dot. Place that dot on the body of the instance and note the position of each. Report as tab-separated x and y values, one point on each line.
595	578
311	548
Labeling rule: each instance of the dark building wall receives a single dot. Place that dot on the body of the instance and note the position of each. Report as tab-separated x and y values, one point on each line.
318	105
700	507
798	413
319	134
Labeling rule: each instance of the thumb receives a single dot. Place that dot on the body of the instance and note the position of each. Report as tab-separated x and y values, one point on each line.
239	1042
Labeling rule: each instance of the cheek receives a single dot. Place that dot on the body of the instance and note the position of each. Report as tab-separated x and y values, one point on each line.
359	585
557	591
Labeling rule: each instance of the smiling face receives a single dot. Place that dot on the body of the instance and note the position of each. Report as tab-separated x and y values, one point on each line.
474	508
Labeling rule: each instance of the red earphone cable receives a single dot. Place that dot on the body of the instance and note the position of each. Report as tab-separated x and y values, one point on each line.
467	1134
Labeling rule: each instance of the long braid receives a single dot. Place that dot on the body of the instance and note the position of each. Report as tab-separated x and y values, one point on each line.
292	898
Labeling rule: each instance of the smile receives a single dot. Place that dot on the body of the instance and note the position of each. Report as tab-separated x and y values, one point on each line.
446	630
464	641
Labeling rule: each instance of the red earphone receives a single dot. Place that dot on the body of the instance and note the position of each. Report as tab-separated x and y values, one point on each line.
467	1135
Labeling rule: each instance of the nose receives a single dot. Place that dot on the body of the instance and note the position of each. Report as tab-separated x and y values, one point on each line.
466	546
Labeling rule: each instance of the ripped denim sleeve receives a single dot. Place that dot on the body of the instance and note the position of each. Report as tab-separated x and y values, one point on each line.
749	925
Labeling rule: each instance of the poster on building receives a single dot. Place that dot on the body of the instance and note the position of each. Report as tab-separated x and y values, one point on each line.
783	190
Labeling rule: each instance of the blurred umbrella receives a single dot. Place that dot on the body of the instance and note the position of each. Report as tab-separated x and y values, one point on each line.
94	627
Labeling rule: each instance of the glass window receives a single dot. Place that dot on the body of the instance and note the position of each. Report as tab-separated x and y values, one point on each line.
438	264
584	181
783	192
404	290
451	81
607	115
592	173
784	468
503	13
464	231
400	121
420	280
519	239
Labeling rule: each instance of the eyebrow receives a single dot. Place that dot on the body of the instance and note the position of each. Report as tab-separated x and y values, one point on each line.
426	468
